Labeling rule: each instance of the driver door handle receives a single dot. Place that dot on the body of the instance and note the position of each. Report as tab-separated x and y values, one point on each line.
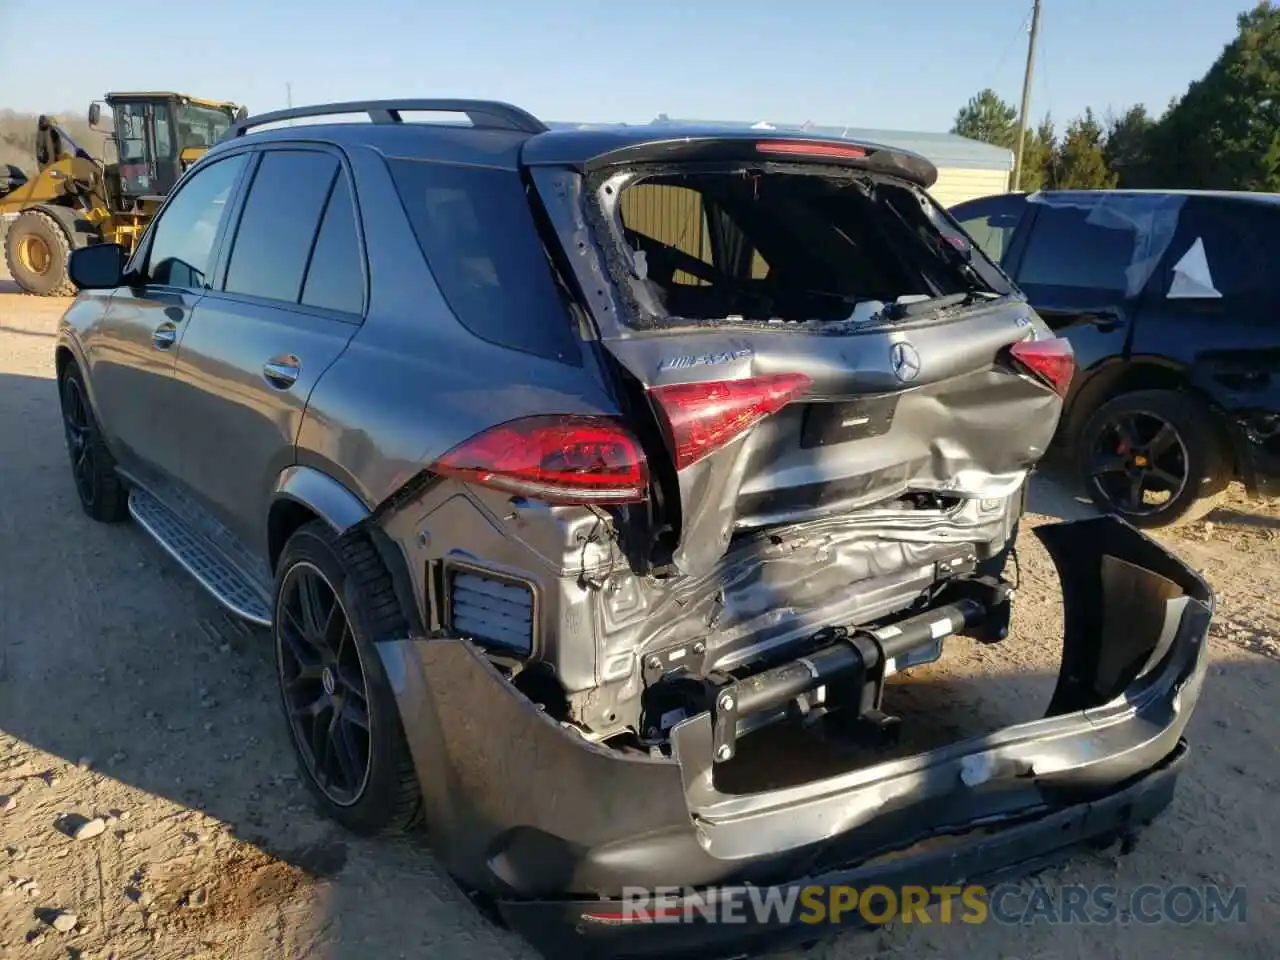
282	372
164	336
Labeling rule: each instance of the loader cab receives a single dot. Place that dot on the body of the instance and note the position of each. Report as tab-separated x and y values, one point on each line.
158	135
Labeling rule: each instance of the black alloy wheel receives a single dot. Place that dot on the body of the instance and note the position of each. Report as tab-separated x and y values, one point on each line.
324	685
1157	458
1140	463
334	601
102	493
80	445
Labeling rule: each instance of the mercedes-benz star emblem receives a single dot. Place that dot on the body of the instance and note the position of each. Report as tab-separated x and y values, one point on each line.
905	361
328	681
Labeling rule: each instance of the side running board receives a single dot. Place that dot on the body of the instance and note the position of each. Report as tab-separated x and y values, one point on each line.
228	585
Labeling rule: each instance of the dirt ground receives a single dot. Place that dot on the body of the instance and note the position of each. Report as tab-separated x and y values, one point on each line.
126	695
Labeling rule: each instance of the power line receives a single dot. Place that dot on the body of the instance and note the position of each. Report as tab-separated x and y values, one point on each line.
992	77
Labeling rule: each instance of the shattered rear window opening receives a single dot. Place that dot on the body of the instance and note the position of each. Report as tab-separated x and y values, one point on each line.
782	244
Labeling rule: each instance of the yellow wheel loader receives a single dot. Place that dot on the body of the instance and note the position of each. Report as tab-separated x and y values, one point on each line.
76	199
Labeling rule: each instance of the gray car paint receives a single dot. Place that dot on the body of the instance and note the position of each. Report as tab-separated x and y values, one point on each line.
249	424
131	377
371	428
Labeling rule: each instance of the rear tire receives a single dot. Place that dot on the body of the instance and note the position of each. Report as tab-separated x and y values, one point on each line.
36	251
103	494
1159	441
338	704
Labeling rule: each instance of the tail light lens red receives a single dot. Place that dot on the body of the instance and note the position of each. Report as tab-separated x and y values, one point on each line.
702	417
1052	361
559	459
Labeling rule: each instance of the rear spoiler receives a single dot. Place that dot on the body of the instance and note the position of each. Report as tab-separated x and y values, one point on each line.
608	148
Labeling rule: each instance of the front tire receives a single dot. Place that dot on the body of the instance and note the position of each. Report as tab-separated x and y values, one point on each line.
1157	458
36	251
332	599
103	495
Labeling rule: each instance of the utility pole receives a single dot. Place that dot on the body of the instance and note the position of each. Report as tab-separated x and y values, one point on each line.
288	95
1026	96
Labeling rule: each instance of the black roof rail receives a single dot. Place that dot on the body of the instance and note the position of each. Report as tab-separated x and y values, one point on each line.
484	114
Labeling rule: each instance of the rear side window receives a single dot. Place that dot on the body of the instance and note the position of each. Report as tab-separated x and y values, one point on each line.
1066	250
335	280
278	226
477	231
1240	245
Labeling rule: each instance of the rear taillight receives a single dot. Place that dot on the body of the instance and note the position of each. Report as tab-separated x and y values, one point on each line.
803	148
1052	361
702	417
559	459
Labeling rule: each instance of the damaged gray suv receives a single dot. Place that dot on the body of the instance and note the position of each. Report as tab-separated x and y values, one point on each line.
569	468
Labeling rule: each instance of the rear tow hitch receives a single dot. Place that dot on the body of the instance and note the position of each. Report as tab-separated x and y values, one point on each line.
849	669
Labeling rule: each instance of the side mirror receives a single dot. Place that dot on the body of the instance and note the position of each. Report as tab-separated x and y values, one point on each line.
99	266
242	114
95	113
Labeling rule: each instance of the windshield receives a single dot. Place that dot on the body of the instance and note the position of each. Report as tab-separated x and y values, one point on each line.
201	126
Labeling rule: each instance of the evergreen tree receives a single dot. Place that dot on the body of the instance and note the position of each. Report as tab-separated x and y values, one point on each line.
1079	163
1128	147
987	118
1225	131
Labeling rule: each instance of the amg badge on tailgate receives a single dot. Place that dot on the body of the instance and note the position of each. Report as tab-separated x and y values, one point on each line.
702	359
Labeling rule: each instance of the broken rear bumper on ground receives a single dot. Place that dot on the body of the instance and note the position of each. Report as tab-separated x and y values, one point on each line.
554	828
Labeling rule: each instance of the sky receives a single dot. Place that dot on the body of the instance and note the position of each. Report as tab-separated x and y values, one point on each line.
898	65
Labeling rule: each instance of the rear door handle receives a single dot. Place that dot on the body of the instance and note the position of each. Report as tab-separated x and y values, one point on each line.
164	336
282	372
1106	321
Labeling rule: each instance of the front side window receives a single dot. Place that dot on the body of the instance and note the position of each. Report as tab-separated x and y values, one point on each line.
181	253
131	133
